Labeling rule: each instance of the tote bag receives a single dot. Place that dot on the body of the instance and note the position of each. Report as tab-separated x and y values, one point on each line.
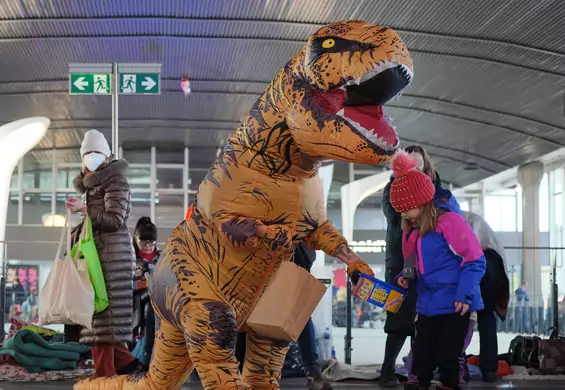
67	296
86	249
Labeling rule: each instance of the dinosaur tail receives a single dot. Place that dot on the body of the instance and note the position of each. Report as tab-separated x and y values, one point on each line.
170	366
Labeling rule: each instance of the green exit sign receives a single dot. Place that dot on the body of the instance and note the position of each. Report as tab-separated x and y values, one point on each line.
90	83
140	83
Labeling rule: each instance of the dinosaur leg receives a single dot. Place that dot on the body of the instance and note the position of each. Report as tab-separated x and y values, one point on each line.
169	369
211	332
264	359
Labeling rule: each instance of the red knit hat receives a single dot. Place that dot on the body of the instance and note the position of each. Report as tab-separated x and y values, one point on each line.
411	188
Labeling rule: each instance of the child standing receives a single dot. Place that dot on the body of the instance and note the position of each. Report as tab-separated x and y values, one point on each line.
445	260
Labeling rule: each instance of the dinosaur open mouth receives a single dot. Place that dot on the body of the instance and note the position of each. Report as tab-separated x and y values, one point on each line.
364	98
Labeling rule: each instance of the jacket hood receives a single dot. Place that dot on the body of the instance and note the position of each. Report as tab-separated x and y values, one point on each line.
108	170
446	201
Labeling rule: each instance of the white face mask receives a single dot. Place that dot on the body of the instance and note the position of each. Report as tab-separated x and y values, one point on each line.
92	161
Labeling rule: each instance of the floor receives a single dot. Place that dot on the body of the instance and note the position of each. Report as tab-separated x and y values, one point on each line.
298	384
368	348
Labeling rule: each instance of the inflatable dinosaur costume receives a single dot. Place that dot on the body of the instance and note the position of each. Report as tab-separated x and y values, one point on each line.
263	194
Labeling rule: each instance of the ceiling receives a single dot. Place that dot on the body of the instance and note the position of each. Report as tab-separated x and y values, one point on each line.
488	87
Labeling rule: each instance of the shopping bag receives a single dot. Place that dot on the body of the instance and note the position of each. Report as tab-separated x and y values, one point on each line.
67	296
87	250
286	304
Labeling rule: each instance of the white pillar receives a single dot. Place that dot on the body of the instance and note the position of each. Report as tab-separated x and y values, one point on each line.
16	139
529	177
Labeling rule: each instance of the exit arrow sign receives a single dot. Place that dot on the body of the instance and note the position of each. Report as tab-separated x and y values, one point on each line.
140	83
89	84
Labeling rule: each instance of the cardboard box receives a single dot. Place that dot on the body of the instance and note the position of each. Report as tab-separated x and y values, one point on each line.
287	303
379	293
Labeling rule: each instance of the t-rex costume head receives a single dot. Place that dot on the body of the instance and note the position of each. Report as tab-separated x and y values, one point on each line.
338	84
324	104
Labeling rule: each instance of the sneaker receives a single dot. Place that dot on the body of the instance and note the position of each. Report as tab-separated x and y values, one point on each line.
389	380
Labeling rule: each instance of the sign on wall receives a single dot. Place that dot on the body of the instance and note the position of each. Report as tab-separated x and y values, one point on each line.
22	290
368	246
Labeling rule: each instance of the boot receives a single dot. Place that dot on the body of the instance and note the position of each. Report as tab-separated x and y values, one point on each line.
314	380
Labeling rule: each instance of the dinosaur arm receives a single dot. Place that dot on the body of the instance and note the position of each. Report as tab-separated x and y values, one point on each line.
326	238
242	231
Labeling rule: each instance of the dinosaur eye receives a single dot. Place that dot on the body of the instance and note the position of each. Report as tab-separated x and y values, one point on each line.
328	43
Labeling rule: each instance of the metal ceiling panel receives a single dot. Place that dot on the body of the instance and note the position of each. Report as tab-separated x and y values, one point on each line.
488	88
514	21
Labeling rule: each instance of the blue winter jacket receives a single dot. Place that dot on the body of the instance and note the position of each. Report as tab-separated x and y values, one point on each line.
449	262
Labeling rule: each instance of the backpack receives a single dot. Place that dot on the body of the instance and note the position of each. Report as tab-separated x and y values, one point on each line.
524	351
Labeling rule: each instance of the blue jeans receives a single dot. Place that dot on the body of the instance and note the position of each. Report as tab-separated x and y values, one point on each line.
307	344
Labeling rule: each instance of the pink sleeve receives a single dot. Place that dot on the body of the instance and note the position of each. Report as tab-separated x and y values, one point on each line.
460	237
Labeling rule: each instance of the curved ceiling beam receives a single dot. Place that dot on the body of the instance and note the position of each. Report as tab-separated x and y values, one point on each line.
462	162
478	122
404	107
262	40
424	33
455	150
264	83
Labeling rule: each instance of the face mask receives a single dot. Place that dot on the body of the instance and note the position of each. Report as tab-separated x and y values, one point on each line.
92	161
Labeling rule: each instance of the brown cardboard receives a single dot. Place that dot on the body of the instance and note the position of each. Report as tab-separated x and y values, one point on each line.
287	303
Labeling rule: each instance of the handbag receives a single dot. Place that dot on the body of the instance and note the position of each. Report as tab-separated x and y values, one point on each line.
551	355
68	296
86	248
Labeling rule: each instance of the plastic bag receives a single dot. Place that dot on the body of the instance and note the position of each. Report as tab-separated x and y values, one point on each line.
87	250
67	296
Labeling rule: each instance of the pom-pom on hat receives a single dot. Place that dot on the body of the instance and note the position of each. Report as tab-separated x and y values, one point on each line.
411	188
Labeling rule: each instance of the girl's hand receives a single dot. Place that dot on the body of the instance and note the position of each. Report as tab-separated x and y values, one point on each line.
402	282
461	307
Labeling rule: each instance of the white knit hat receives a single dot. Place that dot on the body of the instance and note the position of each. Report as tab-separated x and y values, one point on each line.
94	141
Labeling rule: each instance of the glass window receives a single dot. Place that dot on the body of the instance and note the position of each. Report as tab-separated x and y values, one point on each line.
139	178
12	216
139	208
36	207
169	178
500	211
169	209
464	205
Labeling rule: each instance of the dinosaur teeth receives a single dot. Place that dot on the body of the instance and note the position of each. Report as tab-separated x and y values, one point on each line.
368	134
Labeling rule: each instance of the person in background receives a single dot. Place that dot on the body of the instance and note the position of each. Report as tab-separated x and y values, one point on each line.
443	257
303	257
522	293
495	290
147	255
400	326
103	184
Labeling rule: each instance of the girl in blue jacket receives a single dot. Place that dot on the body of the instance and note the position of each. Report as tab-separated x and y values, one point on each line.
444	258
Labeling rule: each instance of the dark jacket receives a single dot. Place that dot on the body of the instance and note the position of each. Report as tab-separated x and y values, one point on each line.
304	257
143	269
108	206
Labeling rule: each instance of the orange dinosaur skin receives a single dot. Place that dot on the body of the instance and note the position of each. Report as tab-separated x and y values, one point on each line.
214	266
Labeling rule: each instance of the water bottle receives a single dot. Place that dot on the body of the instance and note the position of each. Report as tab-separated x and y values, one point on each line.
333	353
